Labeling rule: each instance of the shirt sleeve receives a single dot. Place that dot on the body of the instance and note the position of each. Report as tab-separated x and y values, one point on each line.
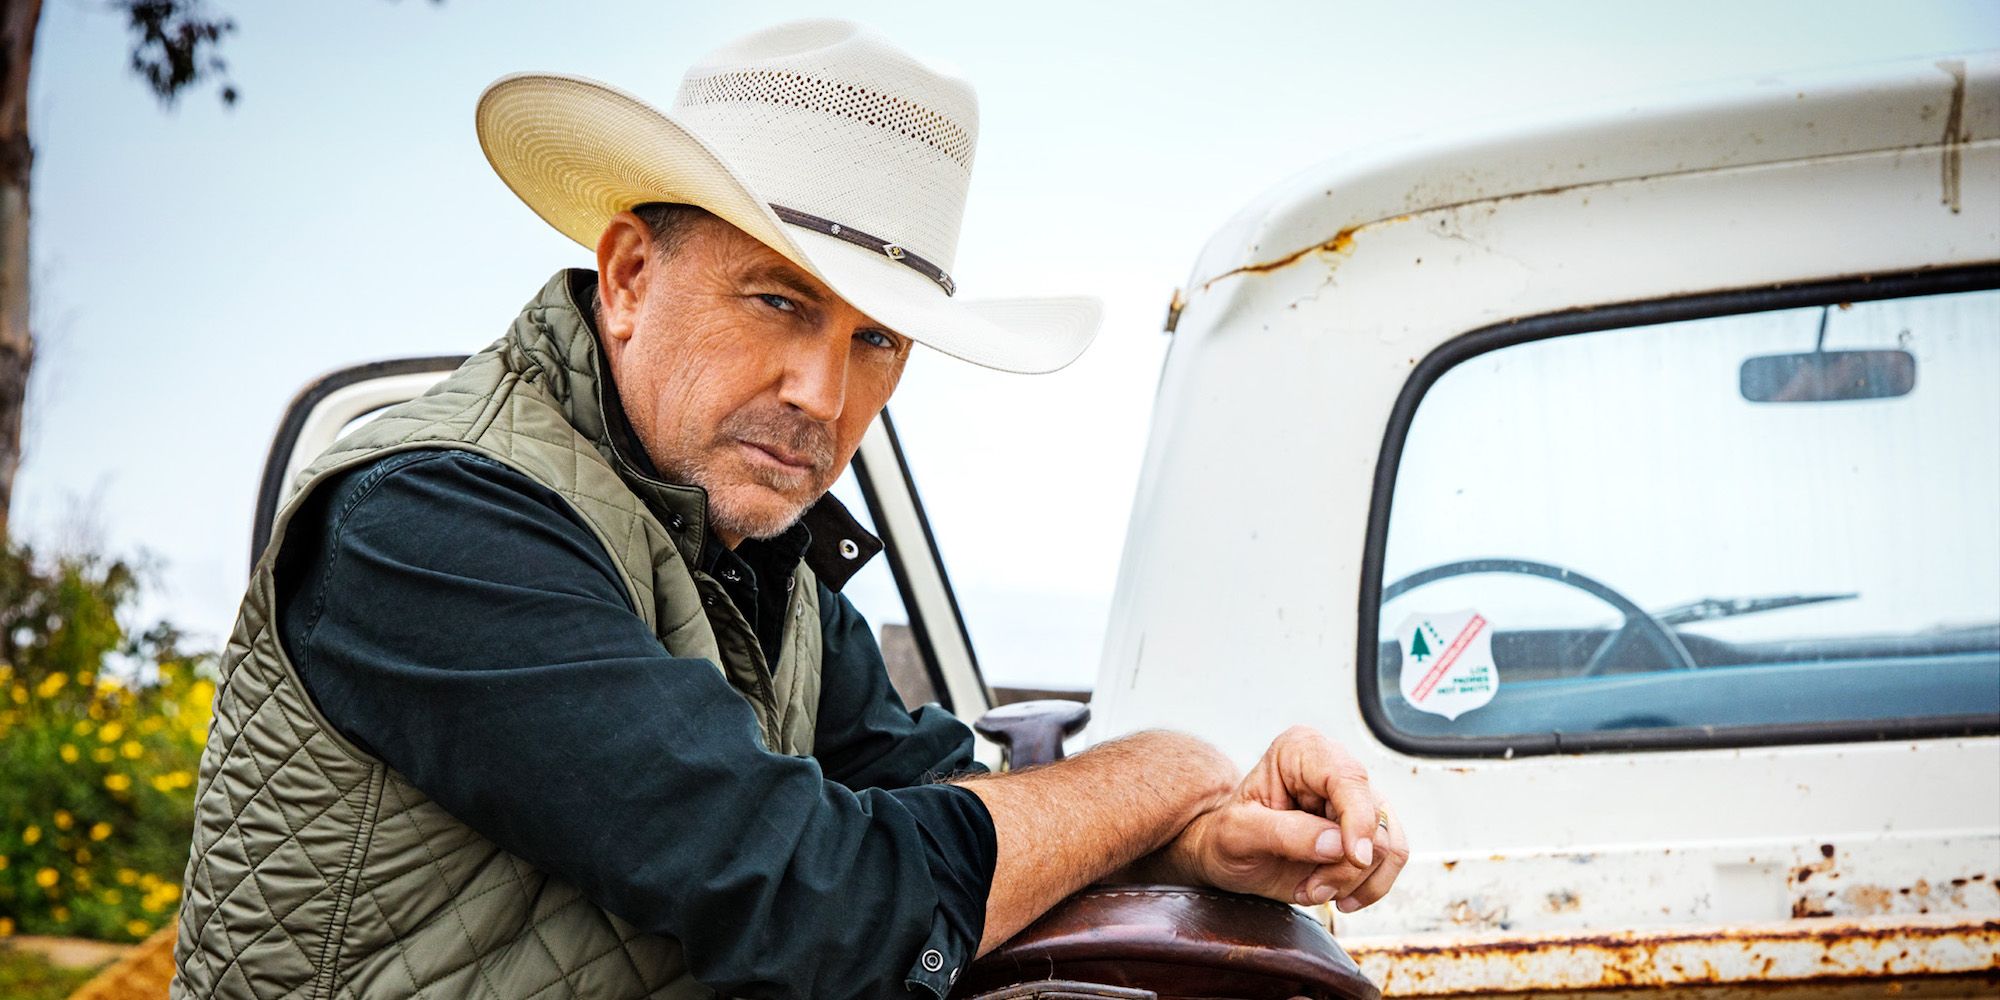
867	739
457	620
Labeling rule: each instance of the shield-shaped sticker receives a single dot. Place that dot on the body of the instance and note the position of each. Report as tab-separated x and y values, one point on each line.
1448	662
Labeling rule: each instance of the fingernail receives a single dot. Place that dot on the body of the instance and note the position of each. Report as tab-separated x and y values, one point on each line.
1328	845
1321	893
1348	905
1364	852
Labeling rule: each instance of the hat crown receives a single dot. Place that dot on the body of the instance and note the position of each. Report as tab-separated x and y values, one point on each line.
825	117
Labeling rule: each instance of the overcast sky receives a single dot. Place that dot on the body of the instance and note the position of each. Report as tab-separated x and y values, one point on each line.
195	267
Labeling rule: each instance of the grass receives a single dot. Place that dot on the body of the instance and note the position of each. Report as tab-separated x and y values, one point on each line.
25	975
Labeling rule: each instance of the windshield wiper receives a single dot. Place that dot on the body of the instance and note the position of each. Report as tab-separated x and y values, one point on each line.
1729	607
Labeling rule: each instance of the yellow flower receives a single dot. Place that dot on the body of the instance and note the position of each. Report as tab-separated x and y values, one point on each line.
51	684
131	749
32	835
137	928
60	914
79	876
82	727
6	926
47	878
149	881
111	732
103	755
85	678
68	753
99	831
111	897
117	782
152	724
64	820
127	876
3	862
20	695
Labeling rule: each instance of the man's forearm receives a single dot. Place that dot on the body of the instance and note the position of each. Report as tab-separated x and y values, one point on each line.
1064	825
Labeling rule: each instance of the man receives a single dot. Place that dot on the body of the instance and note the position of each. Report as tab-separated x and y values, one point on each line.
544	686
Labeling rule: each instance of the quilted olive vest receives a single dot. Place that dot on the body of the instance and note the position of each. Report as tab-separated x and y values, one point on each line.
317	871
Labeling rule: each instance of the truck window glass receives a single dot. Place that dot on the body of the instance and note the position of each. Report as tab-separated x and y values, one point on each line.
1780	521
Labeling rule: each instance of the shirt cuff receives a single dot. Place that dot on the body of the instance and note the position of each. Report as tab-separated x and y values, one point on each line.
943	957
961	849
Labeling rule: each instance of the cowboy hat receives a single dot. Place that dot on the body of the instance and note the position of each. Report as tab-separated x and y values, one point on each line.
817	137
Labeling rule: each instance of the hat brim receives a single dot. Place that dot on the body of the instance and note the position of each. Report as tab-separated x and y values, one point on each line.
578	152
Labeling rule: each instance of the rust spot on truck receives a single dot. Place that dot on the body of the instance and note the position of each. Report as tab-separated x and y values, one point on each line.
1340	245
1824	864
1955	134
1801	953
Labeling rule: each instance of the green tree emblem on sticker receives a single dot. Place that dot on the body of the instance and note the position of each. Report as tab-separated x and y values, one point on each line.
1418	647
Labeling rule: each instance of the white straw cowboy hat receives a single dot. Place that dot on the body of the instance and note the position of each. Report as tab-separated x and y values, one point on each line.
818	138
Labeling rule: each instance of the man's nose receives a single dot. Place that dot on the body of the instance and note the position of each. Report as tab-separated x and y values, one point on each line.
816	377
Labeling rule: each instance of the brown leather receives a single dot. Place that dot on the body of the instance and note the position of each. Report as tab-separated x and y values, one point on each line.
1065	989
1177	942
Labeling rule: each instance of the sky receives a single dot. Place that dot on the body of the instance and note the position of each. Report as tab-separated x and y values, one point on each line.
193	267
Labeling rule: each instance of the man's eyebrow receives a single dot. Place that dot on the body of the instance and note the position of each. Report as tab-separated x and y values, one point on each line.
787	277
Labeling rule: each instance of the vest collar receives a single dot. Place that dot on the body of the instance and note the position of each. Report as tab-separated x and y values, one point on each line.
554	341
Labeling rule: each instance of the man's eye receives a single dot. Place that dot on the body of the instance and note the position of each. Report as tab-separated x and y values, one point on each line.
778	302
876	338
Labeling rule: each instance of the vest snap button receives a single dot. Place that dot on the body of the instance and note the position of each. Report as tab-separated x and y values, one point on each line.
676	522
933	960
848	549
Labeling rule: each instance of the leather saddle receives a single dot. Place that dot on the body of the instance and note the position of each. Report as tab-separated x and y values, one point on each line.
1139	942
1151	942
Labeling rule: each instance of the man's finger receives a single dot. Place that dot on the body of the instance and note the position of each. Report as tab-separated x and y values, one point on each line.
1286	834
1331	881
1394	851
1310	765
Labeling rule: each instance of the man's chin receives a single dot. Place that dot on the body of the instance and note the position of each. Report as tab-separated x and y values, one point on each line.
753	511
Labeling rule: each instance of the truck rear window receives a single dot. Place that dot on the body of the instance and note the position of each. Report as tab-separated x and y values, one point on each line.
1765	526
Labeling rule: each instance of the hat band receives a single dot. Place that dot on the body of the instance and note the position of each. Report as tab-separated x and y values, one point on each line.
887	248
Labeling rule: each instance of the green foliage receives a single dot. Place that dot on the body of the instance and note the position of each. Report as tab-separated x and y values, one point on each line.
25	975
101	732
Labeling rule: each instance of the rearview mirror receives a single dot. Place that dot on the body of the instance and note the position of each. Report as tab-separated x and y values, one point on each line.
1828	376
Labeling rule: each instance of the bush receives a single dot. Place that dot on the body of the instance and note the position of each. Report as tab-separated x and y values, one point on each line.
101	732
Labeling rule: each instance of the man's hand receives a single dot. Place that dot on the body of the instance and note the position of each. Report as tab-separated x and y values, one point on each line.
1303	827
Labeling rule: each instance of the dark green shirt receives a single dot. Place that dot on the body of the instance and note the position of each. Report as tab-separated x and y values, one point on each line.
457	620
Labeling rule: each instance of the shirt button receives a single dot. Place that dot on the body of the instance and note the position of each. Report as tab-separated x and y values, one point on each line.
933	960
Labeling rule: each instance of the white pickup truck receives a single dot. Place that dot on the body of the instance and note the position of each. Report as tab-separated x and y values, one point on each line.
1624	491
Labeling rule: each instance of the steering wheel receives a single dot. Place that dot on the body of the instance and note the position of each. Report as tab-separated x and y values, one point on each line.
1637	620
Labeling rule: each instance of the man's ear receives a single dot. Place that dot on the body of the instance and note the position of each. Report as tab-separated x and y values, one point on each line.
624	264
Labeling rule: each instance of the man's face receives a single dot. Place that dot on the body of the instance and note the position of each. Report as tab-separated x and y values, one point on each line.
740	372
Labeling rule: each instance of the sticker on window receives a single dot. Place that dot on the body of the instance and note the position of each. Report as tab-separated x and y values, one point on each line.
1448	662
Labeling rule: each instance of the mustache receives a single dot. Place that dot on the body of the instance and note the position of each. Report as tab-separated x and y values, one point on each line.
797	436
